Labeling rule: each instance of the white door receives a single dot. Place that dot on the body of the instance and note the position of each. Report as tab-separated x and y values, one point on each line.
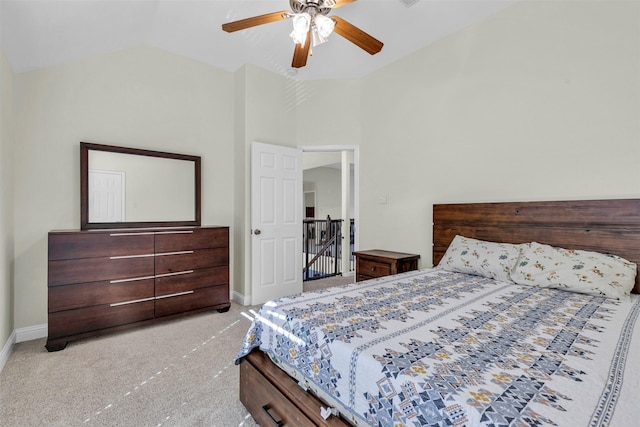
276	221
106	203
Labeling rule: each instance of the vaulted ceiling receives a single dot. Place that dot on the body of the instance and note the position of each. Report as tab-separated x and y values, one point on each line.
42	33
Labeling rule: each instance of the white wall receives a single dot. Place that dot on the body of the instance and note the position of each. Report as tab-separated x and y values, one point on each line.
541	101
328	112
327	184
6	203
240	177
265	102
140	97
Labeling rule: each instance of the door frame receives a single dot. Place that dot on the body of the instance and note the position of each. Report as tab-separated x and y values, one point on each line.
356	179
246	299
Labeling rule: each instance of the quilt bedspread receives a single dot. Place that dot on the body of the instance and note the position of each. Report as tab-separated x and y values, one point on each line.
435	348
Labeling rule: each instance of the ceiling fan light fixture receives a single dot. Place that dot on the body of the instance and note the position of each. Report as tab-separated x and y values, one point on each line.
324	25
301	24
311	26
316	38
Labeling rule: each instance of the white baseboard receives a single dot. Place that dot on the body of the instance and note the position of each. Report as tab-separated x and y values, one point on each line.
20	335
7	349
241	299
32	333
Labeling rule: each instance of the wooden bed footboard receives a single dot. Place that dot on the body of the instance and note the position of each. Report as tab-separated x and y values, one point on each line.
273	398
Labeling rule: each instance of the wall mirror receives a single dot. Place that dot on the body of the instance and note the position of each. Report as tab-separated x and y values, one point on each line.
123	187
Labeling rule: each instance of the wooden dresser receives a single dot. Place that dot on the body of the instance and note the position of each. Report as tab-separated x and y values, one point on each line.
106	280
378	263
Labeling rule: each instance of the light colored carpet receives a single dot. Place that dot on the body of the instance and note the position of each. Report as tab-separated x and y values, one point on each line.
176	373
313	285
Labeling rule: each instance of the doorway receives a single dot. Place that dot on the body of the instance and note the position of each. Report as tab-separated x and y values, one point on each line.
309	203
276	265
331	184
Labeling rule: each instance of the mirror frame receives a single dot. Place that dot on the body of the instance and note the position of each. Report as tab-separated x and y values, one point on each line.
85	147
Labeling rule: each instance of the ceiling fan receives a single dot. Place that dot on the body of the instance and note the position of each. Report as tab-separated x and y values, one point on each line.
311	26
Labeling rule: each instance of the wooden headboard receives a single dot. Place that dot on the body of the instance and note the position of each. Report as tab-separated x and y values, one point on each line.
607	226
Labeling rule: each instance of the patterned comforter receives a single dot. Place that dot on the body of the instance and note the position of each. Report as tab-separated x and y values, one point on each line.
435	348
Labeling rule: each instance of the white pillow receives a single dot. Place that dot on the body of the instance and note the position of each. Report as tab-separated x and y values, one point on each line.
586	272
488	259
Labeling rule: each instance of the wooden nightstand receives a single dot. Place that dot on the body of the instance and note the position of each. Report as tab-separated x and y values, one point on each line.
379	263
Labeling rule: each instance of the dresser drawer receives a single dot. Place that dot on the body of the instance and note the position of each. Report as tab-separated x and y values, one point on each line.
373	268
64	272
70	322
173	262
202	238
191	300
91	244
191	279
70	297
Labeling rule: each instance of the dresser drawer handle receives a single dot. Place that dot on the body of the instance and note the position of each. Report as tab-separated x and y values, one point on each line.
117	304
132	279
266	409
178	294
174	232
130	256
131	234
174	253
174	274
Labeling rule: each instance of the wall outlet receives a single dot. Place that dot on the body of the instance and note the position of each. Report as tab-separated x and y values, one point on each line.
382	199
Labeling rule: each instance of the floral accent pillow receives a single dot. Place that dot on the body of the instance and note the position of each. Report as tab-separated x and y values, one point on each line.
586	272
482	258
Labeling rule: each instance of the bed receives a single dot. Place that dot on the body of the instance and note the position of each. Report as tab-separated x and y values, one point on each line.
441	347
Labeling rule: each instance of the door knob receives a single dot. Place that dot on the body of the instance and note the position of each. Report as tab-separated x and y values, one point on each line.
257	231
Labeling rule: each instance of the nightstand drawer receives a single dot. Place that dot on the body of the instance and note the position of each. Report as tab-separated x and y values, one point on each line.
378	263
373	269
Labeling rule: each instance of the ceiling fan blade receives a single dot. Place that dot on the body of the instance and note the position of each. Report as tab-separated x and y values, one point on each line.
356	36
242	24
338	3
301	53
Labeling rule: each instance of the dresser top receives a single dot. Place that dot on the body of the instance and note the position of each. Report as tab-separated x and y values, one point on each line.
137	230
